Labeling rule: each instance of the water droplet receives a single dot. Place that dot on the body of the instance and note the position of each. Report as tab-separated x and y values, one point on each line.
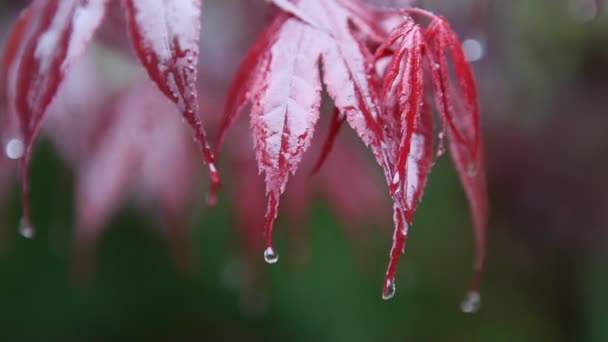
26	230
584	10
270	256
436	66
473	49
389	290
472	302
14	149
471	170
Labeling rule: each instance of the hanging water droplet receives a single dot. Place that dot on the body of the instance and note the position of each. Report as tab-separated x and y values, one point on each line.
14	149
389	290
472	302
270	256
436	66
26	230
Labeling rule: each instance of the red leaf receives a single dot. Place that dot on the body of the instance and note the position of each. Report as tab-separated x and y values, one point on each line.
459	107
443	42
165	36
284	87
409	91
47	39
243	84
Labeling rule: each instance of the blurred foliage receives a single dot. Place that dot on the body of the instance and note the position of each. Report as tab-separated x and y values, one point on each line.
137	292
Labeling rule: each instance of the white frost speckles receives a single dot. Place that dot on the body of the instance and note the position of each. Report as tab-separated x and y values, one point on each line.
85	21
49	40
287	110
413	171
162	21
74	18
14	149
270	256
181	104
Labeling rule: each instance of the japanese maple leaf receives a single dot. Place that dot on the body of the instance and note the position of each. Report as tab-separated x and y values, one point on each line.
285	87
50	35
388	109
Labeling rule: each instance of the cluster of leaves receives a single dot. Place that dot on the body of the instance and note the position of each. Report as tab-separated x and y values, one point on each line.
50	36
381	69
385	104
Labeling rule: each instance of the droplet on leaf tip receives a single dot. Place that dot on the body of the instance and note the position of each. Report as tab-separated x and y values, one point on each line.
270	256
14	149
389	289
26	230
472	302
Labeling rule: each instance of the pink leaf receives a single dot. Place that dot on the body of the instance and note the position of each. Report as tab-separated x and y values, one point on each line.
285	110
409	93
443	42
46	41
165	36
283	86
459	109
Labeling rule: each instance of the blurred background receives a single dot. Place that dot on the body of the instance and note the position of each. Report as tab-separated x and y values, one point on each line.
151	261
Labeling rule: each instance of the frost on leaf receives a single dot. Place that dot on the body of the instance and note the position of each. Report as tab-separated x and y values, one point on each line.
386	104
165	36
50	35
47	39
280	78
